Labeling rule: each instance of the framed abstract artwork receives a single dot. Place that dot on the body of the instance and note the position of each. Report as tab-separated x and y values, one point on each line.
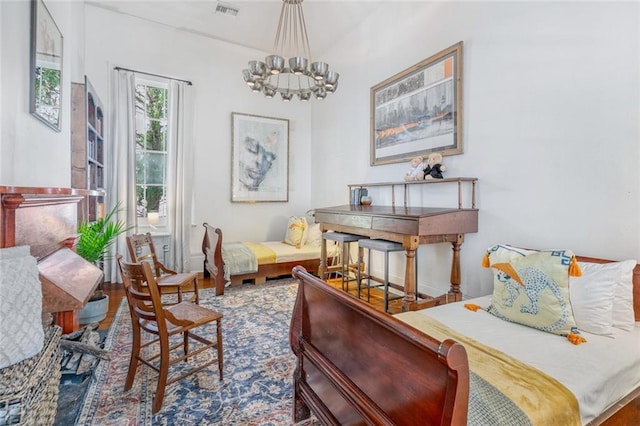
46	66
259	159
419	110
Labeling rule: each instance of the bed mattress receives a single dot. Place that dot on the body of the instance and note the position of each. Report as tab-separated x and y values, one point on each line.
287	253
599	373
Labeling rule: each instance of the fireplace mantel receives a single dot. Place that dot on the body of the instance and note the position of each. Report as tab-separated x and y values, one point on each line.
46	219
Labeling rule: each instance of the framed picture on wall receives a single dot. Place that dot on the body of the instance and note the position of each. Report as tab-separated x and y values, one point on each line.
45	80
419	110
259	159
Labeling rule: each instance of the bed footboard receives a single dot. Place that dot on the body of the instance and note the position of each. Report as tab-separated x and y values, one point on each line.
360	366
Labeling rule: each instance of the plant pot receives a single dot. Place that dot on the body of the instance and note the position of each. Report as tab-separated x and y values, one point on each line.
95	310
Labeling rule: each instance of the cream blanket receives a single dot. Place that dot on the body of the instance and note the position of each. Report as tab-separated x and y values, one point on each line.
504	390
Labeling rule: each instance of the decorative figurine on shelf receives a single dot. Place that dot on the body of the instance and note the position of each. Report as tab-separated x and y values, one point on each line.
434	167
417	169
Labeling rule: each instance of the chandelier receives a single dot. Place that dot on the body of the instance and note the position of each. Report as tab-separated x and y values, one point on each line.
301	77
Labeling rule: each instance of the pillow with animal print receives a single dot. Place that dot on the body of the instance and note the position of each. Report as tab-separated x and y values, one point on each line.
295	231
532	288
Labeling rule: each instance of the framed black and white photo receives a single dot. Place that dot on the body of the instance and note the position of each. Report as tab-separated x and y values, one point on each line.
45	101
259	159
419	110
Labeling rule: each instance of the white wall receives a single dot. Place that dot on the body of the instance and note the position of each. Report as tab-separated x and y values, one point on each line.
214	68
550	117
32	154
550	123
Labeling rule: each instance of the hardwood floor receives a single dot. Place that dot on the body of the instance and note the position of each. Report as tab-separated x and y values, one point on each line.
116	293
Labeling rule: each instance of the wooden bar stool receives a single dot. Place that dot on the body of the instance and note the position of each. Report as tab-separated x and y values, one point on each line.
344	266
385	247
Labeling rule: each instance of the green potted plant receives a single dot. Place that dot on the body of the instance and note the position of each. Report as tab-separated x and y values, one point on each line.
92	244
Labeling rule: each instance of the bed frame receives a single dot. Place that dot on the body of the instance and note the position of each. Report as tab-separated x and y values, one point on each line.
265	271
402	376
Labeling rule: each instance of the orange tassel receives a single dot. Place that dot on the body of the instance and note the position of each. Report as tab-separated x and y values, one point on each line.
485	260
472	307
574	268
576	339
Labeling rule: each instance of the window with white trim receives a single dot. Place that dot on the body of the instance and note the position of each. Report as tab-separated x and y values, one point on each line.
151	153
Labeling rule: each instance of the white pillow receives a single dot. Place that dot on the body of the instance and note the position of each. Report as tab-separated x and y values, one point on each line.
623	314
592	296
313	235
22	334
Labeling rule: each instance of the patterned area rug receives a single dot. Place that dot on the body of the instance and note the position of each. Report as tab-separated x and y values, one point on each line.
258	368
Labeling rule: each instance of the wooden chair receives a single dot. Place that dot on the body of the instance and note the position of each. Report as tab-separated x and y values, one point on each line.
148	314
142	249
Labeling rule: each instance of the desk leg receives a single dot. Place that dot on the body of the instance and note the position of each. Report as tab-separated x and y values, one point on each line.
455	265
411	245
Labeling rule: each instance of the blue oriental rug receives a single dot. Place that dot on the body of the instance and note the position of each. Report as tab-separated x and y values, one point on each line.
258	368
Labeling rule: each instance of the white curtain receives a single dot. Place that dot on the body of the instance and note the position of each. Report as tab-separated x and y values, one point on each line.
121	162
180	174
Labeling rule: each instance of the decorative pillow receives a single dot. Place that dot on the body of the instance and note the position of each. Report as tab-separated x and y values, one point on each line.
313	235
295	231
22	334
532	288
592	296
623	314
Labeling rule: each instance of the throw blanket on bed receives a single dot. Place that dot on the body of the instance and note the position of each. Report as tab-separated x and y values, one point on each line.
244	258
502	387
238	259
263	254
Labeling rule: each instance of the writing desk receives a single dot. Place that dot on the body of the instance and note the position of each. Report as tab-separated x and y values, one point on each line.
410	226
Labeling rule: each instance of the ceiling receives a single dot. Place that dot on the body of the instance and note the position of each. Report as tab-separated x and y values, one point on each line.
255	24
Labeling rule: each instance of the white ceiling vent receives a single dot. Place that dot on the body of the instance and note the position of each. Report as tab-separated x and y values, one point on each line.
226	9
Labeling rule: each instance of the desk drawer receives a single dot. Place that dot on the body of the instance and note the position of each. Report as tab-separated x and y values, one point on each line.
395	225
356	221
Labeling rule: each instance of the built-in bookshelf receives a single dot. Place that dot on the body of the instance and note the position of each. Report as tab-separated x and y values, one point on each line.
88	148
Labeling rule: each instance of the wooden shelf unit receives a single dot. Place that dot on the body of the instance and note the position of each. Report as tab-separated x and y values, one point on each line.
88	146
406	184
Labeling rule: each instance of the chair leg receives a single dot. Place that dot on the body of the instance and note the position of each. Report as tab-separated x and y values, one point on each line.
185	343
369	276
345	266
133	362
195	291
163	374
323	260
219	346
386	282
359	271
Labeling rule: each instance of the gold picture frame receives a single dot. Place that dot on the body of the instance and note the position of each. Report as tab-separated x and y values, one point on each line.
259	159
419	110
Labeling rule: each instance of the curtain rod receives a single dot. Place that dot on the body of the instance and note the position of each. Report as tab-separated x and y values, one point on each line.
155	75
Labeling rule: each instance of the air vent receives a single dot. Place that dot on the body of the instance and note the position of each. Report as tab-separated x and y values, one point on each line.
226	9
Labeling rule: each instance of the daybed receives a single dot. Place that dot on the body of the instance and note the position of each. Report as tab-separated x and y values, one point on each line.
235	262
360	366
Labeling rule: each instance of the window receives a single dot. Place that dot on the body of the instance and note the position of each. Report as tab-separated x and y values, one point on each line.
151	152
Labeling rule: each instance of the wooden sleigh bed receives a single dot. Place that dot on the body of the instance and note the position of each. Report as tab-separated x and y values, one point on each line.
214	264
358	366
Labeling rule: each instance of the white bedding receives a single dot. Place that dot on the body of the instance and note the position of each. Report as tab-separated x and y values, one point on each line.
288	253
244	261
599	372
